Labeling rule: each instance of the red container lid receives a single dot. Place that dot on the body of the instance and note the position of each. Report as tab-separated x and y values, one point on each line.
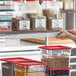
32	0
55	47
60	68
48	0
18	0
12	60
30	63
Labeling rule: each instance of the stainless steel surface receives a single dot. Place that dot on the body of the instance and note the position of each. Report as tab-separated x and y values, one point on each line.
29	34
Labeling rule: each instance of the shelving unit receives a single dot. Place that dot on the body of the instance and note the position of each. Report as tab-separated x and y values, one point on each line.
6	10
32	49
69	19
29	34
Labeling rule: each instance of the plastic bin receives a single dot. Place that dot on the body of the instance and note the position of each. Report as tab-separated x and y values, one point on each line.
6	5
16	59
30	68
22	67
5	26
8	66
58	72
56	56
7	69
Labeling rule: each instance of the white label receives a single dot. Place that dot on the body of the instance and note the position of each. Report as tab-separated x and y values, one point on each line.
60	4
69	5
5	25
57	23
24	25
40	23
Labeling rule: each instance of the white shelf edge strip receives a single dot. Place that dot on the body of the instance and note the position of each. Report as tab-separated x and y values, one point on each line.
73	70
19	48
72	57
73	63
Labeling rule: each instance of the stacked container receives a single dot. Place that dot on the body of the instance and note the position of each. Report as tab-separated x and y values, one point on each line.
57	57
21	24
52	12
6	14
23	67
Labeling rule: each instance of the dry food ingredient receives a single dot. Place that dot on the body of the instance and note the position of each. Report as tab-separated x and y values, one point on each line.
38	23
49	13
53	23
21	24
30	15
56	62
26	71
68	4
8	69
5	26
51	6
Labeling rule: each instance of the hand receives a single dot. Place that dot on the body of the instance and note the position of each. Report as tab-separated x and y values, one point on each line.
64	34
73	31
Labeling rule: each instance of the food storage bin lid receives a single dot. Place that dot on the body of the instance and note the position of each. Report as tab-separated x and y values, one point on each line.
60	68
32	0
30	63
12	60
48	0
18	0
55	47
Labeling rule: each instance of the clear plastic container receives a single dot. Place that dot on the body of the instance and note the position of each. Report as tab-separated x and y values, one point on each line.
22	67
19	8
56	56
58	72
51	8
8	66
30	68
51	51
5	26
6	5
53	23
21	24
68	4
38	23
32	6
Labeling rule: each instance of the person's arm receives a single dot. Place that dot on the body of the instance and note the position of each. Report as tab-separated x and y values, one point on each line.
66	34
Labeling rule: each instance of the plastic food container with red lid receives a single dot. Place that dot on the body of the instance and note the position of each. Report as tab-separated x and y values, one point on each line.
55	50
30	68
22	67
56	56
7	65
58	72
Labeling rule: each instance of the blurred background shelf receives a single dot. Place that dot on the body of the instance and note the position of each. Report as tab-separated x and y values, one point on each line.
6	10
29	34
6	20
